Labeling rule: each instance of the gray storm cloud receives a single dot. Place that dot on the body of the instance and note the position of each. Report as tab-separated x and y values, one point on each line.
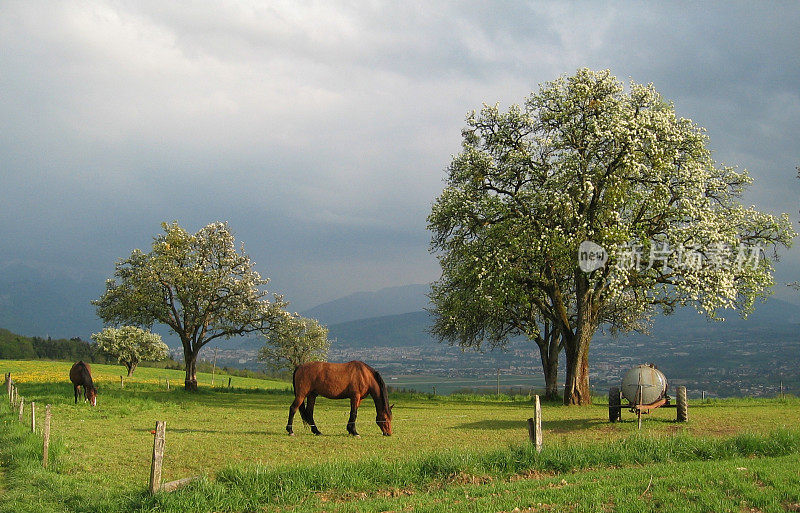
320	131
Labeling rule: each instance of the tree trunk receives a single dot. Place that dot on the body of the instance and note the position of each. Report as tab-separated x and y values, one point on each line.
551	370
576	345
131	367
549	347
190	360
576	385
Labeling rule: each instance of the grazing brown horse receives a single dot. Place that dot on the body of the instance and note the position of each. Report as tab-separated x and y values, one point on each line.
81	376
352	380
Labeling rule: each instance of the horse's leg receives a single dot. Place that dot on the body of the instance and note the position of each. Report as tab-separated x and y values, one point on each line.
351	424
298	400
76	393
310	400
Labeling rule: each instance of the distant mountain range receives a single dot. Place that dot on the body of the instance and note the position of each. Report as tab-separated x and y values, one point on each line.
396	317
366	305
37	302
773	318
388	331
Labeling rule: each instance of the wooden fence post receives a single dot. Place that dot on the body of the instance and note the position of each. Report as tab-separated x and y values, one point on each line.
46	435
21	407
535	425
121	382
214	368
8	385
229	383
158	456
33	417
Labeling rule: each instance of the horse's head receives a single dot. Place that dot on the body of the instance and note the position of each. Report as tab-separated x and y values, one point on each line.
384	421
91	395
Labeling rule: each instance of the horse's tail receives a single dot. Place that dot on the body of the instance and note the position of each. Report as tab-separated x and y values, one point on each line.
302	408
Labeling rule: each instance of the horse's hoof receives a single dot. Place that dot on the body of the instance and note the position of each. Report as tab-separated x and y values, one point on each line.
290	434
318	433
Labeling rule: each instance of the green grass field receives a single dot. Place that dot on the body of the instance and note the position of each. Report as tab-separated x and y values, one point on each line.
470	453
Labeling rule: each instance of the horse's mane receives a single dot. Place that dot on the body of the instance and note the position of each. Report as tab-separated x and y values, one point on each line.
384	392
86	376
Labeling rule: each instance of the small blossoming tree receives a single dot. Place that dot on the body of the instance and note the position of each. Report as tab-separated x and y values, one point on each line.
294	341
584	159
131	345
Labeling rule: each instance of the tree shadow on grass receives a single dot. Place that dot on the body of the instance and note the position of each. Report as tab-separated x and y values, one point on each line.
558	426
569	425
494	424
209	431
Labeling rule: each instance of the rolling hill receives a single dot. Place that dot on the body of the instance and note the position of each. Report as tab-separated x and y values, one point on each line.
365	305
775	318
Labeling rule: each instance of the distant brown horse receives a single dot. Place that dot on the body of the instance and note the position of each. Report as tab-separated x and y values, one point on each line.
81	376
352	380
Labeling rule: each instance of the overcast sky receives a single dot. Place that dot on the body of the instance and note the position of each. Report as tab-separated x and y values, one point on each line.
321	130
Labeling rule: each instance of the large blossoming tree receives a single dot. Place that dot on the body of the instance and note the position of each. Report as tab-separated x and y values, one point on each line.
198	285
585	159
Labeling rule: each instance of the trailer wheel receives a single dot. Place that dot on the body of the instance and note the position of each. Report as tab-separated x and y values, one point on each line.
682	404
614	404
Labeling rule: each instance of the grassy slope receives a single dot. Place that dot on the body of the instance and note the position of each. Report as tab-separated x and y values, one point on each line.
730	485
108	447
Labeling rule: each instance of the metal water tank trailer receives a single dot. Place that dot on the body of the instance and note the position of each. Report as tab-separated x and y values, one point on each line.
645	389
652	381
